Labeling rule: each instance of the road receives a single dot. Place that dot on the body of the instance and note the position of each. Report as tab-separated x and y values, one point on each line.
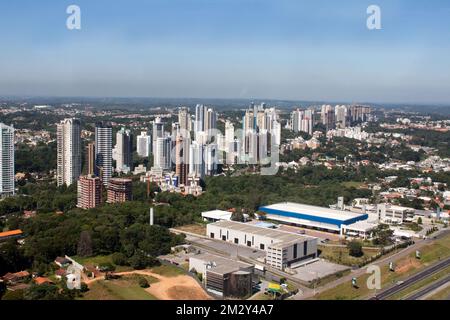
412	280
380	262
430	288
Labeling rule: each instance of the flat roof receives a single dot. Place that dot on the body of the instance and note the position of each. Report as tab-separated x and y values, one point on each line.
217	214
361	226
316	211
278	235
222	265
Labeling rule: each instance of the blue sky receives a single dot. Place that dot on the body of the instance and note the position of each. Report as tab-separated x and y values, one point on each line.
281	49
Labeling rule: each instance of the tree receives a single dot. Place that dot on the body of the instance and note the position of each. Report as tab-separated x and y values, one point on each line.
118	258
140	261
355	248
143	283
419	221
383	235
84	248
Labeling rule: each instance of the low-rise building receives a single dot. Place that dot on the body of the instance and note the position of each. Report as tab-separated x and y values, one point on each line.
282	248
223	277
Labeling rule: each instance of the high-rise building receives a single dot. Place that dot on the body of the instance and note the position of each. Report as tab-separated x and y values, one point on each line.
103	151
158	132
328	117
124	149
119	190
182	158
6	161
162	155
143	144
302	120
184	119
196	159
89	192
68	139
90	158
341	116
205	119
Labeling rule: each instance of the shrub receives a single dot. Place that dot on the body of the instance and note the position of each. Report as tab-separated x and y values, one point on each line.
143	283
118	258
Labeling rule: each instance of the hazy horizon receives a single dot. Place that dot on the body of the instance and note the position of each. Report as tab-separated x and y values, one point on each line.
290	50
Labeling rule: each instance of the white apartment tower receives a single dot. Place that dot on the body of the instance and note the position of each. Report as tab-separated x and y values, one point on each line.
143	144
68	169
6	161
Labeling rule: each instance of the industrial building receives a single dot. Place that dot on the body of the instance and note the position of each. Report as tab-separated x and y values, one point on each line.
326	219
223	277
219	215
283	249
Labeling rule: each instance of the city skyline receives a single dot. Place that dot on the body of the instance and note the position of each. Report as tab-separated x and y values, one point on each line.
290	50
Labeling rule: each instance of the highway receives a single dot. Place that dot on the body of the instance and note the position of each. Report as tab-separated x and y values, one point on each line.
412	280
429	289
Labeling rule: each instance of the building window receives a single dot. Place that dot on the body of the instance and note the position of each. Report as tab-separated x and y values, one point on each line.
261	246
212	235
236	240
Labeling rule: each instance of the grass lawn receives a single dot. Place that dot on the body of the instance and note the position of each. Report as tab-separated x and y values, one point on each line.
354	184
443	294
420	285
196	228
96	260
168	270
125	288
341	255
261	296
404	267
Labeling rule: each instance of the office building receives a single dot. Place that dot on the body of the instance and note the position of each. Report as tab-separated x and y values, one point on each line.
89	192
341	117
144	144
7	161
68	137
119	190
103	151
124	150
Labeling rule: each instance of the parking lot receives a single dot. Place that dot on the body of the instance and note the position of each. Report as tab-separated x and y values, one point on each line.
317	269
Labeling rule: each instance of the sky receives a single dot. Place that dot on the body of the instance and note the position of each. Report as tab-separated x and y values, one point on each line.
275	49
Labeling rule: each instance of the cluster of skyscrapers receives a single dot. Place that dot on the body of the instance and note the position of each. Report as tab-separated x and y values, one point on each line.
340	117
197	155
99	161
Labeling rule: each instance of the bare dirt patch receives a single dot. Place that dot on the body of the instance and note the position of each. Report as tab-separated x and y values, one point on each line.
178	288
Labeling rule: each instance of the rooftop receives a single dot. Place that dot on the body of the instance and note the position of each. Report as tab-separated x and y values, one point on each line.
278	235
221	265
312	211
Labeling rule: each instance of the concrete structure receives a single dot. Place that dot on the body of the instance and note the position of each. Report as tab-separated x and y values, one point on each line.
6	161
326	219
68	138
184	119
222	276
103	151
158	132
89	192
119	190
282	248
